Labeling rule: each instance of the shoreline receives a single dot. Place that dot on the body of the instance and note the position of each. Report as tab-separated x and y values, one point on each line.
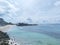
6	28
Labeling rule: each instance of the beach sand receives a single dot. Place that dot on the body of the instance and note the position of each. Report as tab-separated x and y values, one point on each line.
6	28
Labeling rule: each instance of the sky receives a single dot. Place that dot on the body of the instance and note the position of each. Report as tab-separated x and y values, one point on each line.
30	11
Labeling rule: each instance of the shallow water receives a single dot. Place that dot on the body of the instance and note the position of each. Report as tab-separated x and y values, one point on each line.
36	35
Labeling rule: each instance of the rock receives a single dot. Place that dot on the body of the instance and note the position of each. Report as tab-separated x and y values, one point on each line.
4	38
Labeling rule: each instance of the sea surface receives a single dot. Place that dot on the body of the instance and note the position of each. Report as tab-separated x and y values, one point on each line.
47	34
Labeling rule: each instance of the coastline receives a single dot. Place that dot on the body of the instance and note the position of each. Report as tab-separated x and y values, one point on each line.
6	28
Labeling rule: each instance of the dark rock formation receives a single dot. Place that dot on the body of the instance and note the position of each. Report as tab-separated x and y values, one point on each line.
4	38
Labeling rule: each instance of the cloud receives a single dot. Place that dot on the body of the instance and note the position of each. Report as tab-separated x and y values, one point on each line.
7	10
32	11
6	5
57	3
1	10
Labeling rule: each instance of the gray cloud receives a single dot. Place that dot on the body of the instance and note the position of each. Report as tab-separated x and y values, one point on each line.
37	10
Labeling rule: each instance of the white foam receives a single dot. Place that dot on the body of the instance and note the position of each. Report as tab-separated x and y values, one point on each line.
11	42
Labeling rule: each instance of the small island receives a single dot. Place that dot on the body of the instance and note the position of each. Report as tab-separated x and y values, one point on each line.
25	24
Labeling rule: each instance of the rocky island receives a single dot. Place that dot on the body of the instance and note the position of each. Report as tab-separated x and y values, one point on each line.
3	23
25	24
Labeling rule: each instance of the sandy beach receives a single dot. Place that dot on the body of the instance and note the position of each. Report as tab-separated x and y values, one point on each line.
6	28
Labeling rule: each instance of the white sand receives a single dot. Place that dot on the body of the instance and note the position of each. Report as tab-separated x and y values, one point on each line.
5	28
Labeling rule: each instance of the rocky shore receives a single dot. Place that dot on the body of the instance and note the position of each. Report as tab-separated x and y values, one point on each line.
5	26
4	38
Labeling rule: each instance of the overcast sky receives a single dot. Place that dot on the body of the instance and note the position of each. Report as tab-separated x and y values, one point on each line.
30	11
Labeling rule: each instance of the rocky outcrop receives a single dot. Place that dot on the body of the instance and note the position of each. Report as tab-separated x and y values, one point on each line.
4	38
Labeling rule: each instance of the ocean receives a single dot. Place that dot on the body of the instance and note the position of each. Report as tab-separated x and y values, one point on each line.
47	34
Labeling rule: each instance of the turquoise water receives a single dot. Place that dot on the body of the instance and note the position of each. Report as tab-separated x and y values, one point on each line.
36	35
